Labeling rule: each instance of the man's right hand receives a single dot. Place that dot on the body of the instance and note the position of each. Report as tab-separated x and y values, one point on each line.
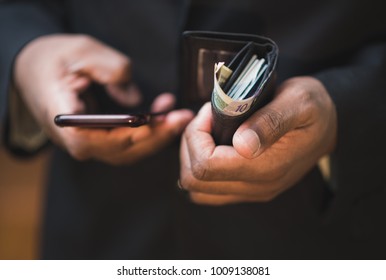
51	71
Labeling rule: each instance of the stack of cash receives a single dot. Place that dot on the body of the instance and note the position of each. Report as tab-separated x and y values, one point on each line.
235	91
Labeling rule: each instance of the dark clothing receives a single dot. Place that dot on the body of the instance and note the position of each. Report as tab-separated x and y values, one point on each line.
98	211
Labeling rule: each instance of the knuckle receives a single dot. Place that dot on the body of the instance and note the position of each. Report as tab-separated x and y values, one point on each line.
308	104
84	39
200	160
121	63
200	169
120	68
274	123
83	44
186	183
305	96
189	132
310	99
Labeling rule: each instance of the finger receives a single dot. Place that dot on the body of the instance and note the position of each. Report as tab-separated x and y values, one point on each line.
64	97
161	134
123	145
199	141
207	161
219	200
176	121
101	144
128	145
266	126
184	158
103	70
76	83
190	183
125	94
163	102
101	63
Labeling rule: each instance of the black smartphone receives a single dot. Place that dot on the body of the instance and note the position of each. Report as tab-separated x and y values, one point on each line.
103	112
105	120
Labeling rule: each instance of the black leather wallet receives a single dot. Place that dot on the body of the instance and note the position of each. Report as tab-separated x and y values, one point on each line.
248	64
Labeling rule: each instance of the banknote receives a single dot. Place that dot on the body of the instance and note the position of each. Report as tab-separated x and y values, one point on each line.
243	92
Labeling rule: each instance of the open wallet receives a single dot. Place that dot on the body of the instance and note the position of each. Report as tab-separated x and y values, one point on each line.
235	71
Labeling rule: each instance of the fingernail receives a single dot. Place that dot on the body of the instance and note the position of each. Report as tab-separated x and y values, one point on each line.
251	139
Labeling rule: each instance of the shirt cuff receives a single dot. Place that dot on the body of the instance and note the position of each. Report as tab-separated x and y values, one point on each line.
24	132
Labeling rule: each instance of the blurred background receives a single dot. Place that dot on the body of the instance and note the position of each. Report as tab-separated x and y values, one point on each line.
21	194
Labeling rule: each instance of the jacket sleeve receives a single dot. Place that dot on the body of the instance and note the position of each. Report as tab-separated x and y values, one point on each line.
20	22
358	163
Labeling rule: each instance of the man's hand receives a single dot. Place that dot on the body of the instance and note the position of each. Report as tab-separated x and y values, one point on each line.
271	151
51	71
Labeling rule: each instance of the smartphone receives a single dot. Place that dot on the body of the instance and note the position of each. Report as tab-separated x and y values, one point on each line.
105	120
101	111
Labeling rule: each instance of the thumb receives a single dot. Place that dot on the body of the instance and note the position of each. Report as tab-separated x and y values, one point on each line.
262	130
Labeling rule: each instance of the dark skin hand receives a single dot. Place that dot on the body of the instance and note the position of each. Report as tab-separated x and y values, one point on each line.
271	151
